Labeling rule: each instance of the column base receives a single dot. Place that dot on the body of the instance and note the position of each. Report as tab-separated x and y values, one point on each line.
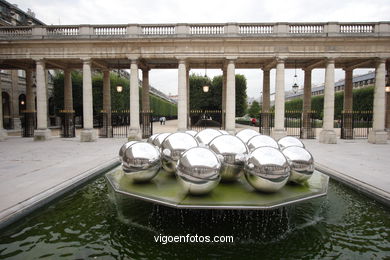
231	131
182	130
42	134
328	137
278	134
88	135
377	137
388	133
3	135
134	134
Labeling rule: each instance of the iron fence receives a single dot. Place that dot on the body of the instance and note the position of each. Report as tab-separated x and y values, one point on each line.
201	119
266	122
29	122
356	124
68	126
146	122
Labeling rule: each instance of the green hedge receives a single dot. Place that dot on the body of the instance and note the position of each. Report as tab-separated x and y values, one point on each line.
362	101
119	101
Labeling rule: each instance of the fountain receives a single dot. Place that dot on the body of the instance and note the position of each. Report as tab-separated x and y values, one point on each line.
212	170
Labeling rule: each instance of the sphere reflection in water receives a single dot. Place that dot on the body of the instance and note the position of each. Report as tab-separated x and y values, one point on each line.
173	146
198	170
261	141
247	134
301	163
233	151
206	135
141	162
266	169
288	141
123	149
159	139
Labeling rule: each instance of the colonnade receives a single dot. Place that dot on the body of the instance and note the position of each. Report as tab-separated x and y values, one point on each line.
327	135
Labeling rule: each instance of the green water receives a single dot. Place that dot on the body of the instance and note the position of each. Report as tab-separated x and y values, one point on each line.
91	224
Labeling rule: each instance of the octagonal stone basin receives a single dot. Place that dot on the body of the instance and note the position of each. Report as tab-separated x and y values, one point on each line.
165	190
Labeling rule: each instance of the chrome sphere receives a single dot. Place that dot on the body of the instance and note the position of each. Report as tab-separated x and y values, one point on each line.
224	132
173	146
151	138
233	151
246	134
191	132
159	139
301	163
288	141
198	170
206	135
123	149
141	162
267	169
261	141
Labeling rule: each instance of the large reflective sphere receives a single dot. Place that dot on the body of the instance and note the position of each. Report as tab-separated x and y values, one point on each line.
233	151
191	132
141	162
151	138
159	139
123	149
301	163
206	135
198	170
173	146
261	141
246	134
288	141
266	169
224	132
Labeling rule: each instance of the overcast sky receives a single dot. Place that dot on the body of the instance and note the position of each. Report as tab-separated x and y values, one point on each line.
210	11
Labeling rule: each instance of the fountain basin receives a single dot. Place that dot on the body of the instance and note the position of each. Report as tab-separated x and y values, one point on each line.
165	190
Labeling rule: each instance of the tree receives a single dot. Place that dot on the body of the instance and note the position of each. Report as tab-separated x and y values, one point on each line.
254	109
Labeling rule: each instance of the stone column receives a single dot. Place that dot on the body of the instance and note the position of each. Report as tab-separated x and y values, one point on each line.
145	90
378	134
188	97
42	132
107	102
30	97
16	123
3	133
88	134
182	97
230	97
307	130
135	133
265	104
68	92
327	134
224	78
387	123
279	131
348	104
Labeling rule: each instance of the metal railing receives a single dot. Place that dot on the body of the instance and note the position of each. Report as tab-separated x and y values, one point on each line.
195	30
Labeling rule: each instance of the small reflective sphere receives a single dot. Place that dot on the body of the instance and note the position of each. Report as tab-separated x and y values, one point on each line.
123	149
141	162
198	170
288	141
301	163
173	146
191	132
151	138
233	151
159	139
261	141
267	169
247	134
224	132
206	135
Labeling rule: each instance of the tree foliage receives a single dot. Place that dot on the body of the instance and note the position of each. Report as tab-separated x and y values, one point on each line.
212	100
254	109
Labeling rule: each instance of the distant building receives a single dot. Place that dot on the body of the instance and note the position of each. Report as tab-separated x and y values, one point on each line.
360	81
11	15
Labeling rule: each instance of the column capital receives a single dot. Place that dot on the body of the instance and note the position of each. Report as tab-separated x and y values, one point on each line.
330	60
147	69
280	59
182	61
40	61
347	69
380	60
87	61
